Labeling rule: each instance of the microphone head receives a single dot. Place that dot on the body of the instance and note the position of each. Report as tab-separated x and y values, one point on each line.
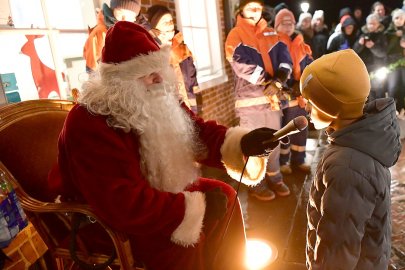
300	122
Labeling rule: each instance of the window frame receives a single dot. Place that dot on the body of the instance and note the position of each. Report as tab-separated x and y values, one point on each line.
217	74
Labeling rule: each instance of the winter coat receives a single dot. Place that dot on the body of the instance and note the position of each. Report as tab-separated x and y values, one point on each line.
319	42
340	40
256	54
349	216
394	50
375	57
301	56
182	61
101	166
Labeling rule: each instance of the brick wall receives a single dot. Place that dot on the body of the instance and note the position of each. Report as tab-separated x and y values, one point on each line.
216	103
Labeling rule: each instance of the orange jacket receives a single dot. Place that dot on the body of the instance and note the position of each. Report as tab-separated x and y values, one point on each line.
182	61
95	43
300	52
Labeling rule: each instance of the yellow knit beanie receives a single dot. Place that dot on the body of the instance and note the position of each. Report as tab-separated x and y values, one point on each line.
337	84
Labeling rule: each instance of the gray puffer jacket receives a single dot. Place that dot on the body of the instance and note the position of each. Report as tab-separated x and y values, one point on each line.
349	217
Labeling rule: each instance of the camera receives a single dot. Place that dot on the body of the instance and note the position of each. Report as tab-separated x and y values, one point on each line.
367	37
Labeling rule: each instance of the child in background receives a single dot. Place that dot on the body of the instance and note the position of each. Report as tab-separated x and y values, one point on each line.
293	155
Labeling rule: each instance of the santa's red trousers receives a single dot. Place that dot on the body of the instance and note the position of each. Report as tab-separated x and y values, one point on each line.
221	246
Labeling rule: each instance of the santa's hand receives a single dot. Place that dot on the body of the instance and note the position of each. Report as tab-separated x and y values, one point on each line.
216	202
252	143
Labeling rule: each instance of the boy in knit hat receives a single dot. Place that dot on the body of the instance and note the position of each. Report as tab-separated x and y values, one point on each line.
349	221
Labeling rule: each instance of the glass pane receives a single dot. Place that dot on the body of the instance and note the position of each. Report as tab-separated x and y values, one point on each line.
198	9
27	14
70	50
72	14
184	7
70	45
27	67
201	48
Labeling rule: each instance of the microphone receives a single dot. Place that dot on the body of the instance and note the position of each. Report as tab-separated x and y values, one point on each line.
294	126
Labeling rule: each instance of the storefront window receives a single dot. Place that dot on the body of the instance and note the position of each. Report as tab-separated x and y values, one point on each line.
41	50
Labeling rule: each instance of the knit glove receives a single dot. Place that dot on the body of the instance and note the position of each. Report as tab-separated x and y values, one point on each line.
252	142
216	202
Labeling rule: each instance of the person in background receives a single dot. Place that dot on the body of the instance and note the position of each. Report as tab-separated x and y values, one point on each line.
379	9
161	22
268	15
347	36
95	43
344	12
358	15
321	34
119	10
292	156
129	150
371	46
305	28
260	61
349	220
395	52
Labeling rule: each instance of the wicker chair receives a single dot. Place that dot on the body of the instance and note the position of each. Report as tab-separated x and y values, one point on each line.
29	133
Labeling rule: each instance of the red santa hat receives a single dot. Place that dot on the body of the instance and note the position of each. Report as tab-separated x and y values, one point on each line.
131	50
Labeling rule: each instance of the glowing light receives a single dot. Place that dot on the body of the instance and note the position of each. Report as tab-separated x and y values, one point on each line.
381	73
259	254
305	7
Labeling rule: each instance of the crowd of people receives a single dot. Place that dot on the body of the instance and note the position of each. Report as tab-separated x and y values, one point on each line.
134	140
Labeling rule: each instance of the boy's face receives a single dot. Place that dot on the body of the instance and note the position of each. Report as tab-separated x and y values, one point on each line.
379	10
306	23
372	25
398	20
124	14
166	29
318	118
349	29
253	11
286	26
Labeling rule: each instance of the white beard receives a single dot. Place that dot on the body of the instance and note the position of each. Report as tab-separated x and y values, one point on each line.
167	152
168	148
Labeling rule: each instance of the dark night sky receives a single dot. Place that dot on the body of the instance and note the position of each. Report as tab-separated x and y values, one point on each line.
332	7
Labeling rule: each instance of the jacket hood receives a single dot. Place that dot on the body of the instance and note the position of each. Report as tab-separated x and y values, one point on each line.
377	133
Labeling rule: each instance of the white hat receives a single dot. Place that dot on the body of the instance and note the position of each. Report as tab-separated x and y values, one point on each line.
318	14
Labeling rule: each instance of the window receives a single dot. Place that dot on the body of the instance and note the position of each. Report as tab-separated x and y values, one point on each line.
198	20
47	36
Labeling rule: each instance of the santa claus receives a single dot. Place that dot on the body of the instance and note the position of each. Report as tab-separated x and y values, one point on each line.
132	151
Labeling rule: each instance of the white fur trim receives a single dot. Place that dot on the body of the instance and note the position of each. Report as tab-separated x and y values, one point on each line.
234	161
139	66
189	230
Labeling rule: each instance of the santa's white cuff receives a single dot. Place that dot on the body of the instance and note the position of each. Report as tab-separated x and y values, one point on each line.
189	230
234	160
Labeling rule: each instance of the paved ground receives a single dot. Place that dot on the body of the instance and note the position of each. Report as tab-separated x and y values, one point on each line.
283	220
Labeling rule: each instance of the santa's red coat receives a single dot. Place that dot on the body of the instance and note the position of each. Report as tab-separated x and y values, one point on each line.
100	166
